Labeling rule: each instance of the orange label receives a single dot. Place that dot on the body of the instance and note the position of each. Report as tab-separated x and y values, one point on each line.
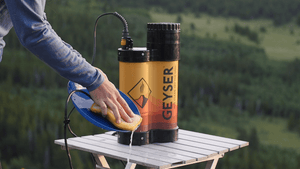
153	86
134	79
164	97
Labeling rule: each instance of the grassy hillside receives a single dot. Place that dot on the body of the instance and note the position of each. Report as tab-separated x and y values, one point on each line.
280	43
281	12
273	131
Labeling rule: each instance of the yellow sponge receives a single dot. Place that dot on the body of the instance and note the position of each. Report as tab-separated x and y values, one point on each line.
136	120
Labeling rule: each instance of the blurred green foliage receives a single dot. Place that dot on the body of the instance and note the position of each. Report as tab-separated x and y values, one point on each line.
226	81
281	12
245	31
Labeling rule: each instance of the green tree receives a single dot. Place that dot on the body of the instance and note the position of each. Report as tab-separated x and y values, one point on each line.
226	28
208	21
263	29
192	26
292	122
207	35
179	19
298	159
298	20
242	134
253	140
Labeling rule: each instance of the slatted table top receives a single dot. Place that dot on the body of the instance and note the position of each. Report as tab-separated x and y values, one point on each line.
191	147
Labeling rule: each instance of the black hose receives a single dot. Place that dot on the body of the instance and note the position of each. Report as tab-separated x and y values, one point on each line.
66	124
124	34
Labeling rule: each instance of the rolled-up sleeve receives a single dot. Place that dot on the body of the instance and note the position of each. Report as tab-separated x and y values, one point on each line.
36	34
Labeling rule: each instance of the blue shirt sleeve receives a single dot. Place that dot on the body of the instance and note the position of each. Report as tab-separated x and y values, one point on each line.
36	34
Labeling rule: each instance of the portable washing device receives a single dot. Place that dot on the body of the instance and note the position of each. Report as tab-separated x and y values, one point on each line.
149	76
148	82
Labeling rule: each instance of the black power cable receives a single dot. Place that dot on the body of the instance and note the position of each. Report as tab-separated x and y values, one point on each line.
67	121
66	124
125	35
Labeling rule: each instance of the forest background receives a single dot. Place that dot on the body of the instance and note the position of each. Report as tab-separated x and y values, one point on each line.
237	87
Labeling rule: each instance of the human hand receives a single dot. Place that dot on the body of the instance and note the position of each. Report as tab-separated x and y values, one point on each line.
106	95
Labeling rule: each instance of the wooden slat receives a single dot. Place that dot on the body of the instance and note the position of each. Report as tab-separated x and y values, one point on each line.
114	154
185	147
232	144
211	164
184	142
130	165
100	167
194	156
101	161
202	146
135	150
107	136
221	144
207	159
145	149
212	137
174	145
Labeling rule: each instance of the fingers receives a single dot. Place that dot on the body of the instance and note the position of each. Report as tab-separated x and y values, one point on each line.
107	96
123	113
115	110
125	106
120	110
103	108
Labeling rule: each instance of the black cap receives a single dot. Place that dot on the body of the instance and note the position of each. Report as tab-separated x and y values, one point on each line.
135	54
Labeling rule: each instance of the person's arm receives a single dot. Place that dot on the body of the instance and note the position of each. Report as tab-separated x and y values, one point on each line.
36	34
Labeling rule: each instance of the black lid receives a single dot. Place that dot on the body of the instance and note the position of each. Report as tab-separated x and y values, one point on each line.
135	54
164	26
163	41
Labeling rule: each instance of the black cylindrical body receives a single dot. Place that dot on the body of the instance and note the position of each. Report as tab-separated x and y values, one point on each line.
163	41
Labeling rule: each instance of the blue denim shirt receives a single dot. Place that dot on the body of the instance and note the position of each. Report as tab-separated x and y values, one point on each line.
36	34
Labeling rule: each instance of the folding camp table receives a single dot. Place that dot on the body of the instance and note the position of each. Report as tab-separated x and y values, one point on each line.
191	147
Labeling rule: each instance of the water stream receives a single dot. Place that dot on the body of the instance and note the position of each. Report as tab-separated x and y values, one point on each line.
130	145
